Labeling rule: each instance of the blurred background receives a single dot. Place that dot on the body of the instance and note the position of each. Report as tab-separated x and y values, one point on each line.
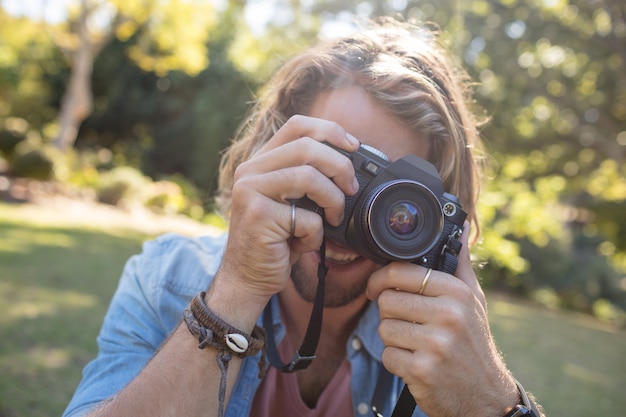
113	115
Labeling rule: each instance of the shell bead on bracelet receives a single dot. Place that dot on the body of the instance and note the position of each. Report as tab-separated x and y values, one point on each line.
237	342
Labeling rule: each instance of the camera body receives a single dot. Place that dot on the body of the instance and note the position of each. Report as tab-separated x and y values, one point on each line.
400	213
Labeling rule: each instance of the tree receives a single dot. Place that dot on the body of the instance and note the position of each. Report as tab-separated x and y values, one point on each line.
178	124
30	67
172	37
551	81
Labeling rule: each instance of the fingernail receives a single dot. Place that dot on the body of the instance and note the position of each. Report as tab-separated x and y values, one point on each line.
355	184
352	139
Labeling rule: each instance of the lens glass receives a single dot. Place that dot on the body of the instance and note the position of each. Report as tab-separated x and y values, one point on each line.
400	219
403	218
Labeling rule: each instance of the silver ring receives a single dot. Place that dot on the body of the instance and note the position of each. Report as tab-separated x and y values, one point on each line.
293	219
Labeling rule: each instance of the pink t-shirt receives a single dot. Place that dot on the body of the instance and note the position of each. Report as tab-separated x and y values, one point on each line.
279	395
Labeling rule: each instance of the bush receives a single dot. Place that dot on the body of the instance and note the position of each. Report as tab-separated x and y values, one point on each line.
34	164
9	139
166	197
121	185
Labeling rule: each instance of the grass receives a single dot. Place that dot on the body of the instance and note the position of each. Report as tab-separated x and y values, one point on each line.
57	276
55	285
575	364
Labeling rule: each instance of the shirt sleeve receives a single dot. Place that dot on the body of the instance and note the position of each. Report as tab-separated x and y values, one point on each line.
153	290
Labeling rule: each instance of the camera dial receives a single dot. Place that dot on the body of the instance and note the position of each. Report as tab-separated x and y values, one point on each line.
376	152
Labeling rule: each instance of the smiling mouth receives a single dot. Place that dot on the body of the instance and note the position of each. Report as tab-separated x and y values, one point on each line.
341	257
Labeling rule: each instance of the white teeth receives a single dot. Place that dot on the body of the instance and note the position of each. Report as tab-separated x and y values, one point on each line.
340	257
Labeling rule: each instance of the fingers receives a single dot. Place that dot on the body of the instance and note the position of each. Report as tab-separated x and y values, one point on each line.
288	183
439	342
267	235
299	126
410	277
400	311
295	163
307	235
299	168
303	151
261	246
260	206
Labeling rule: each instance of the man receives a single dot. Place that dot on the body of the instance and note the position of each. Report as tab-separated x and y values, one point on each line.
391	88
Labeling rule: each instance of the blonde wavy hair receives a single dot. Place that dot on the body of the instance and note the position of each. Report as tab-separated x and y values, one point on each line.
401	66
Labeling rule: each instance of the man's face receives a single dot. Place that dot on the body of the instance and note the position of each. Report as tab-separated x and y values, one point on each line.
373	125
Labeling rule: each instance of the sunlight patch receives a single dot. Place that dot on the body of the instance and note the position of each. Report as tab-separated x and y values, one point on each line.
48	358
505	308
23	241
585	375
33	360
33	302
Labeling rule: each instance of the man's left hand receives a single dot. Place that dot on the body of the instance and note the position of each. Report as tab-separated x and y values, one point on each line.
439	342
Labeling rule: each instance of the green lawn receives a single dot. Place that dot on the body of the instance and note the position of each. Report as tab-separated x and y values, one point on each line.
55	284
575	364
56	279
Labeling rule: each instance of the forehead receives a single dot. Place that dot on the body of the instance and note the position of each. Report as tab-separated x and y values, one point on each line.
369	121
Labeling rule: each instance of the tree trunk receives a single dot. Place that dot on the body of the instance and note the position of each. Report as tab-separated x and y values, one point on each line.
77	102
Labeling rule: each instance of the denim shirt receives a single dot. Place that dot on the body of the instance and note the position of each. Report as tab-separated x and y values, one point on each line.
153	291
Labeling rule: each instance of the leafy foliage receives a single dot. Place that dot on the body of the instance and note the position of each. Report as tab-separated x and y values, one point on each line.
551	80
31	71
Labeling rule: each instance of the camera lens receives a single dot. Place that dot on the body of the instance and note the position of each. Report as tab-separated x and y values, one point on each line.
403	218
400	220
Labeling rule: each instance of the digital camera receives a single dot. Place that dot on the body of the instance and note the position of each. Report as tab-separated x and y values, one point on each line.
400	213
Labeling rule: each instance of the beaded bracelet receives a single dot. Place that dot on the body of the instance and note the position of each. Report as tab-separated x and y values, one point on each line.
226	339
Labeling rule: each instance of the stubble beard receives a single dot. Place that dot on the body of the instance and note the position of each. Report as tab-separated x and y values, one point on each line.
335	295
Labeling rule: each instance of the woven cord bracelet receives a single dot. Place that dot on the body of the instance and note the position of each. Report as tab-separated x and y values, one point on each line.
226	339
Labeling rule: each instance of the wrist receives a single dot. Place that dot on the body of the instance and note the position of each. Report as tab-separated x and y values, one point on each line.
502	397
234	302
226	340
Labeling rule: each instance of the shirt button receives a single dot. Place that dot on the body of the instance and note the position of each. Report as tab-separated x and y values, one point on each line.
363	408
356	344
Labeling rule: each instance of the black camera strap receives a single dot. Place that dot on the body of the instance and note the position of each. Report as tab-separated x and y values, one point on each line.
449	257
305	355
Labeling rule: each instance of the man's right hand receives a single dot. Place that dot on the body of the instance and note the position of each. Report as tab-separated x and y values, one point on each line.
294	163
